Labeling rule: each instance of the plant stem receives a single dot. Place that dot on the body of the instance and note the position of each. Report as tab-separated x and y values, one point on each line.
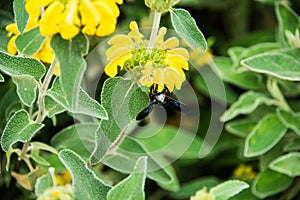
154	30
274	89
43	90
40	116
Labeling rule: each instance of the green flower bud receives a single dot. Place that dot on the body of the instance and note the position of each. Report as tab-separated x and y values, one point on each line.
161	5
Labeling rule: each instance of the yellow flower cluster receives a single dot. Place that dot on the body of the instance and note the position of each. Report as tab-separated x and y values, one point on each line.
202	195
244	172
68	17
164	65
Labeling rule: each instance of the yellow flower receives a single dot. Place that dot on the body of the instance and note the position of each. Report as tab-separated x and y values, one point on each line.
64	192
63	178
203	195
164	65
201	57
244	172
45	53
69	17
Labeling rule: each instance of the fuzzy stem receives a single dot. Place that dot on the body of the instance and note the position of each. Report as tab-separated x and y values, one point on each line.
154	30
40	116
42	92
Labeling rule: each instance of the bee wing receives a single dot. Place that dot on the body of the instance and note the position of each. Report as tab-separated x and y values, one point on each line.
181	107
145	112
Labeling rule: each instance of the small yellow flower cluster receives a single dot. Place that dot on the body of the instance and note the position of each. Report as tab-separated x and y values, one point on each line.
244	172
203	195
164	65
58	193
63	178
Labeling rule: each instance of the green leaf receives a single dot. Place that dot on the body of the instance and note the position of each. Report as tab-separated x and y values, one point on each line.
246	104
190	188
21	16
240	127
70	54
265	135
288	164
122	100
30	42
38	159
288	21
168	142
44	182
290	120
239	53
264	184
86	104
78	138
228	189
89	106
19	128
243	79
52	108
85	182
1	78
26	88
43	146
131	187
16	65
276	64
186	27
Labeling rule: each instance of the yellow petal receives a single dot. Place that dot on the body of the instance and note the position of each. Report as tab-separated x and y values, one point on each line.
106	28
176	61
158	77
51	21
170	43
56	71
172	76
112	68
11	48
108	7
12	28
133	26
180	52
68	31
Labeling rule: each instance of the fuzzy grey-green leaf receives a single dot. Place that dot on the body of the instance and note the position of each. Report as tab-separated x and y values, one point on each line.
288	21
21	16
290	120
186	28
131	187
277	64
263	185
44	182
265	135
246	104
19	128
228	189
26	88
70	54
288	164
85	182
17	65
78	138
30	42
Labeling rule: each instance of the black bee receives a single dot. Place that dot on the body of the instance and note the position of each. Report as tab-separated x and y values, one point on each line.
161	98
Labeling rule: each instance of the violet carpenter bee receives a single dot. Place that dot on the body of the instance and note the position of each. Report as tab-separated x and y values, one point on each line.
161	98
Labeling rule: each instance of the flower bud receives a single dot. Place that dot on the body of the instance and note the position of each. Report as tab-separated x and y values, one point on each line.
161	5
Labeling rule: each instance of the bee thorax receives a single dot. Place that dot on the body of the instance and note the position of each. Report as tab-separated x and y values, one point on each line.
161	98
